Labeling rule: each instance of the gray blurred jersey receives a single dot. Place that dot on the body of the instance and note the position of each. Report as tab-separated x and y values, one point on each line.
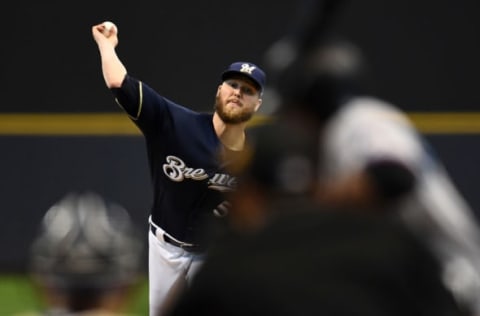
367	129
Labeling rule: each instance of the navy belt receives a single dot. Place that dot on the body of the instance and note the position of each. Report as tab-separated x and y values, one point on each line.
184	246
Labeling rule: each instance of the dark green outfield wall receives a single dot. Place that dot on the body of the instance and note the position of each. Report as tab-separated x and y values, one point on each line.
424	57
424	54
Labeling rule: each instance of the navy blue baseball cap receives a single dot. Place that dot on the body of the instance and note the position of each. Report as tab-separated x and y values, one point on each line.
248	70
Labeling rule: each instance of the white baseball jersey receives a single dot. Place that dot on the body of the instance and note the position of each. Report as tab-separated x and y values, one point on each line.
366	129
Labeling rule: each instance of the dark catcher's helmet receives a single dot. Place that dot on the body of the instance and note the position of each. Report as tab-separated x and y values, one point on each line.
86	242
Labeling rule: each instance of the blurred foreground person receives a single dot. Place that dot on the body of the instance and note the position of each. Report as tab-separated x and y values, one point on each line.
86	259
373	157
324	92
292	257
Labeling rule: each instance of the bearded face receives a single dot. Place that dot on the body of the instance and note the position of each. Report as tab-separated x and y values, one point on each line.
233	114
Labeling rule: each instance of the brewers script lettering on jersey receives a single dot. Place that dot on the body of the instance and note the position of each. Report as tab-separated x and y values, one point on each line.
177	171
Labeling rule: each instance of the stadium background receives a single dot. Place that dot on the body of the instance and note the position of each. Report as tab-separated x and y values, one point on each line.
60	129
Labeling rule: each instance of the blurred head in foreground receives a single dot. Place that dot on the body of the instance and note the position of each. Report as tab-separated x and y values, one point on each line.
87	255
322	79
278	166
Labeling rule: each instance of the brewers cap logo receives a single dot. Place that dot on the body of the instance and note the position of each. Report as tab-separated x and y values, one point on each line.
247	68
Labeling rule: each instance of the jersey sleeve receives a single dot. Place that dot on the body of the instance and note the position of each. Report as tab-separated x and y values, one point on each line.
144	106
128	96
